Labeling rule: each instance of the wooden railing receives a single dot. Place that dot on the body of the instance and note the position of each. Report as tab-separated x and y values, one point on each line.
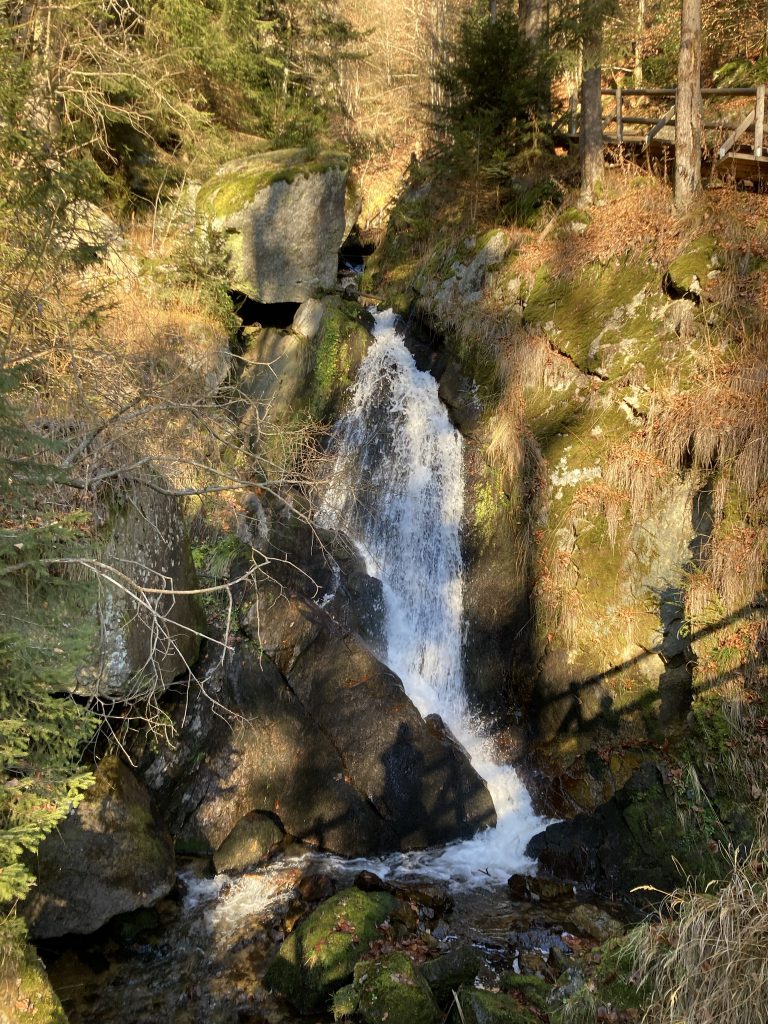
755	118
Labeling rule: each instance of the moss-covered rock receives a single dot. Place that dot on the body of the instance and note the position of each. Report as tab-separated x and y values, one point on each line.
447	973
481	1007
26	996
344	1002
109	856
391	991
533	989
335	358
320	955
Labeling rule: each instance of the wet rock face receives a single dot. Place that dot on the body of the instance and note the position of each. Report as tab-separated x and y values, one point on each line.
109	856
634	839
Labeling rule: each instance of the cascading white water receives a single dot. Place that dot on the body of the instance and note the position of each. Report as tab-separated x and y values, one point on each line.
398	492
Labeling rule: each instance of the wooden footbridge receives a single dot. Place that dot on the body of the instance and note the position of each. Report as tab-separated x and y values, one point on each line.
642	122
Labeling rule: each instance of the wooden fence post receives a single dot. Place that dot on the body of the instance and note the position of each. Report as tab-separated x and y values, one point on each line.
759	119
619	116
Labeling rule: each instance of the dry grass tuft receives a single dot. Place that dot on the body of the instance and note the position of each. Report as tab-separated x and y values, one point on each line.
706	963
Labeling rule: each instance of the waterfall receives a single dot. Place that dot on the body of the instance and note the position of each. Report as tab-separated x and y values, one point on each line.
398	491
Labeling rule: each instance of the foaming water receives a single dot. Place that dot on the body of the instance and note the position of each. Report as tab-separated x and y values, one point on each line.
398	492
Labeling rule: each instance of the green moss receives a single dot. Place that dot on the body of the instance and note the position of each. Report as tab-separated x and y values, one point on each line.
391	990
345	1002
574	216
489	503
688	271
229	191
26	996
319	956
336	358
481	1007
603	318
614	978
534	989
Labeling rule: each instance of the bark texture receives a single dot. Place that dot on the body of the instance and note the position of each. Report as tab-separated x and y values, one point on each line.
591	136
688	115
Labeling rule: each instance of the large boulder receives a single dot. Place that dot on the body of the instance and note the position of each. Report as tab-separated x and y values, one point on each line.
141	642
413	773
304	722
632	840
247	744
110	855
283	216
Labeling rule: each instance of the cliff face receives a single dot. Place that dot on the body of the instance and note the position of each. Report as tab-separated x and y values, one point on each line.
616	532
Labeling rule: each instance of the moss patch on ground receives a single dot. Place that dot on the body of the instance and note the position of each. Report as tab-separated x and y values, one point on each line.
603	318
688	272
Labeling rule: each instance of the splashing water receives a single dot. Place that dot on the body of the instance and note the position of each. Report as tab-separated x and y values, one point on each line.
398	492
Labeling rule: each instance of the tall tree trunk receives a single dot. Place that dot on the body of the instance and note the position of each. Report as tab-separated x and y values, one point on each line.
637	45
688	113
533	17
492	9
591	134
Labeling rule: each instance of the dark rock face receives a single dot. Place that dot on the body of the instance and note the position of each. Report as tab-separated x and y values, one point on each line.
262	752
305	724
419	781
628	841
109	856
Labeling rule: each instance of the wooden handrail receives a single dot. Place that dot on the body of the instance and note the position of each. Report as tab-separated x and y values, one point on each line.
755	117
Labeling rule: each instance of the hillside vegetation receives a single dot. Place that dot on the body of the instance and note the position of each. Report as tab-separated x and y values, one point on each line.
618	485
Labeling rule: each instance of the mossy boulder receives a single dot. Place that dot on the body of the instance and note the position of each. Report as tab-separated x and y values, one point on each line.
391	990
283	215
634	839
26	995
320	955
110	855
481	1007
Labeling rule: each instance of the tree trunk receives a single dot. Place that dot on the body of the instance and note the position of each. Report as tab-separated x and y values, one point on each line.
591	134
637	45
688	113
533	18
492	10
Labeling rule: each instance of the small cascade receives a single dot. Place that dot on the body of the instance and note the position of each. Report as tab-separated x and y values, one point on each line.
398	492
